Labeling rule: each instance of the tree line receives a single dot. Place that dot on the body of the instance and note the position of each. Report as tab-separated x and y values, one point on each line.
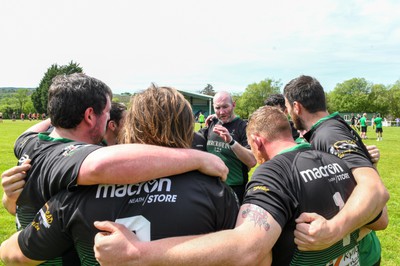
356	95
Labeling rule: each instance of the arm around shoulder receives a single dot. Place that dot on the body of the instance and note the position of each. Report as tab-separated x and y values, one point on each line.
256	238
40	127
134	163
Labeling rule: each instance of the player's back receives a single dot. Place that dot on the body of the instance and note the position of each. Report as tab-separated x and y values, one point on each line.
186	204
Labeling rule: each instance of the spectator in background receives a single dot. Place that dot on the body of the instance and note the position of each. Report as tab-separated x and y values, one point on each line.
353	121
358	123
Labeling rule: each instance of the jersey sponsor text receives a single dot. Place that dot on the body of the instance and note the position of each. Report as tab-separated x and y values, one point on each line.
322	171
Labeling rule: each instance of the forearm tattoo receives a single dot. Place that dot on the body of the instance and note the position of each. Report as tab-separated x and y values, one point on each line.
258	215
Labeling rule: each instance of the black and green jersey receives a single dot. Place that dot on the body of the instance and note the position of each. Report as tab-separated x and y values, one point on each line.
332	134
238	171
55	166
303	180
186	204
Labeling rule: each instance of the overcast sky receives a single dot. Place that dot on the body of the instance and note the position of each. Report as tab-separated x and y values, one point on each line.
187	44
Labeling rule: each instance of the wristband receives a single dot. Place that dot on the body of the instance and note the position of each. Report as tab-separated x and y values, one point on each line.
376	218
232	142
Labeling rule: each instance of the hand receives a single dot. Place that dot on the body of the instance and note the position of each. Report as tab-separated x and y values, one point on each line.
212	165
223	133
13	182
209	118
313	232
114	245
374	153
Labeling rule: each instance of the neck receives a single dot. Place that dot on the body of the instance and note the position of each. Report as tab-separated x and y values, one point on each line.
275	147
311	119
72	134
231	118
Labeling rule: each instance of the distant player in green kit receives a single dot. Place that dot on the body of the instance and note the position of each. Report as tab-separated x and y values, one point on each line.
201	119
363	124
378	125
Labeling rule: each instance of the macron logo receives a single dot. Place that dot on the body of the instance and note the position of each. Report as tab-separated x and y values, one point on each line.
322	171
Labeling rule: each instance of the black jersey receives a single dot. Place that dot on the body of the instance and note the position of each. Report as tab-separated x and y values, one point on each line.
199	142
55	166
186	204
332	134
302	180
238	171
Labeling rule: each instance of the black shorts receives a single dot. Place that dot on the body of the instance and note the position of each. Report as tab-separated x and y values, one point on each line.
363	129
379	130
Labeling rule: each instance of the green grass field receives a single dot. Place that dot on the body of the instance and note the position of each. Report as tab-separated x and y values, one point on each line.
390	156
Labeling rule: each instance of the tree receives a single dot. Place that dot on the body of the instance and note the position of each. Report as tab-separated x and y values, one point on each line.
351	96
208	90
8	105
254	96
379	98
22	97
394	99
39	96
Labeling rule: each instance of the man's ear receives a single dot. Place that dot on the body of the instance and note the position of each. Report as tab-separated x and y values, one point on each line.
89	116
111	125
297	107
256	140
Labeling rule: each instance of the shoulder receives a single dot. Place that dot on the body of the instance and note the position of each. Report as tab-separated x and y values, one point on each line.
23	140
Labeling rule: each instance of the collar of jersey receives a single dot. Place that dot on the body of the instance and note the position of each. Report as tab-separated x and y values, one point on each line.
324	119
297	147
45	136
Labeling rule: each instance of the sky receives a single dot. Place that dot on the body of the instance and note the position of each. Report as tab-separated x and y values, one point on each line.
188	44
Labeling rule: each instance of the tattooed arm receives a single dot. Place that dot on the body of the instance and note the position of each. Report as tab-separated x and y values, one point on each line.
249	243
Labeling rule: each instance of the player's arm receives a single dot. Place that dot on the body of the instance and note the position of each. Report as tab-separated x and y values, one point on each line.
250	243
13	181
245	155
132	163
11	253
364	204
40	127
